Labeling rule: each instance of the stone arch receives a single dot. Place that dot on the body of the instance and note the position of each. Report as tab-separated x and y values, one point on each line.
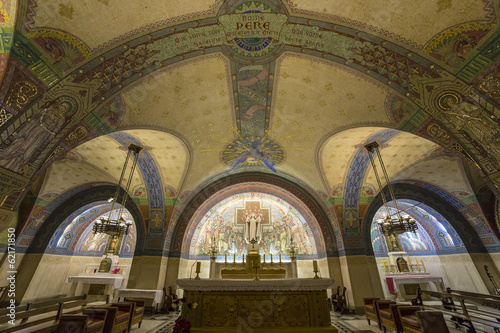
314	205
406	191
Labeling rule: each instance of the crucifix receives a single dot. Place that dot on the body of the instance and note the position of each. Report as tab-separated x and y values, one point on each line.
252	217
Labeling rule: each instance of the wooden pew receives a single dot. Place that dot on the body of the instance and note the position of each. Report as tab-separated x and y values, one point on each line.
463	315
414	320
32	321
71	305
91	321
385	315
124	312
371	310
138	313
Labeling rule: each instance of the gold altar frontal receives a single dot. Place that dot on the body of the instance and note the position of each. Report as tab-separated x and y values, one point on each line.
267	305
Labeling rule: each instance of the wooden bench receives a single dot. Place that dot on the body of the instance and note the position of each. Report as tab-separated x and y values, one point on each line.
371	310
42	315
90	321
464	315
138	313
414	320
386	318
42	319
123	315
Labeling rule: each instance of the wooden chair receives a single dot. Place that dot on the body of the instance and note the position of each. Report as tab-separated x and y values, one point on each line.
371	310
339	303
140	305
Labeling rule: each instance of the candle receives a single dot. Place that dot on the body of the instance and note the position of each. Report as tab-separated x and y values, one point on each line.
280	258
418	266
264	258
385	265
85	268
243	258
409	261
234	257
198	267
315	265
423	266
225	258
271	258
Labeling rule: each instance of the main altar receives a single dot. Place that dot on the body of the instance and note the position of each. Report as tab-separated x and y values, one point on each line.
253	304
260	292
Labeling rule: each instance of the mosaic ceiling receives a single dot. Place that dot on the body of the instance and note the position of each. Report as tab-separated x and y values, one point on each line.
215	88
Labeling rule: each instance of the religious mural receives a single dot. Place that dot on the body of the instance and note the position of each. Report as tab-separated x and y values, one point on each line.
235	221
78	237
434	236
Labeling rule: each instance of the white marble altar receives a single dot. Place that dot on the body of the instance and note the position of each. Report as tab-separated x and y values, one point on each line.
80	284
405	285
155	295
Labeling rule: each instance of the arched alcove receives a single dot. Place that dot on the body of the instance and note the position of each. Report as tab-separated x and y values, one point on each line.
75	248
444	243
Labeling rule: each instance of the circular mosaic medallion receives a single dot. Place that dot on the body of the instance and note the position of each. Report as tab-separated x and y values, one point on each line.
253	47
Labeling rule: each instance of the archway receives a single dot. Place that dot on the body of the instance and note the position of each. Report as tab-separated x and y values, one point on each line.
34	253
247	183
459	242
75	248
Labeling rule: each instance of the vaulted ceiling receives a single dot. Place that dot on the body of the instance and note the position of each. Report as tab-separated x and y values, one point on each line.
302	111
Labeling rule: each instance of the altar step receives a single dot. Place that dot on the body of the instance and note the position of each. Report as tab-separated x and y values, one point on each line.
264	329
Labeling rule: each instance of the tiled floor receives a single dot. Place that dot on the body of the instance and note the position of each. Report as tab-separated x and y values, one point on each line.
351	322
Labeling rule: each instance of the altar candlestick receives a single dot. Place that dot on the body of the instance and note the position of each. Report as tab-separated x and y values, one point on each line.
418	266
234	258
264	258
423	266
409	261
243	258
385	266
271	258
280	258
225	258
85	269
315	265
198	267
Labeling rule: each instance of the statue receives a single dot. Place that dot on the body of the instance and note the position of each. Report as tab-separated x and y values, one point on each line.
252	230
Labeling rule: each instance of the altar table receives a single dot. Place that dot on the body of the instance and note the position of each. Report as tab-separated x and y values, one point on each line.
81	283
405	286
254	304
155	295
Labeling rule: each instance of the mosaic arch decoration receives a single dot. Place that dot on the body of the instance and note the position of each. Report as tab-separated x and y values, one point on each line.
435	235
75	236
224	226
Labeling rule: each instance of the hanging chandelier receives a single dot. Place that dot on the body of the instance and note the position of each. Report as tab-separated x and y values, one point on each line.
391	225
119	227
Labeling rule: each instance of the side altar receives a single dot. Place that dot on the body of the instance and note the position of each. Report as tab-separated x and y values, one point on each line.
255	304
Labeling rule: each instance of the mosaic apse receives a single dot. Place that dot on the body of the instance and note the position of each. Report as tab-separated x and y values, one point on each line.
224	226
434	236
